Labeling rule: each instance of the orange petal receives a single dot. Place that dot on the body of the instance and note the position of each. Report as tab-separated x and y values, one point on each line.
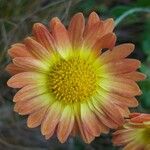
51	119
92	36
28	92
120	67
107	41
125	101
92	20
66	124
43	36
93	125
19	50
36	118
109	25
31	64
141	118
61	37
22	79
32	105
121	86
136	76
37	49
13	69
76	28
117	53
87	137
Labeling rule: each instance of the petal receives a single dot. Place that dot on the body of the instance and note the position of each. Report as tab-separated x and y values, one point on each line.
29	91
75	29
51	119
92	20
141	118
89	120
13	69
107	41
19	50
33	104
121	86
31	64
119	67
136	76
117	53
61	37
22	79
66	124
36	118
87	137
109	25
43	36
37	49
92	36
125	101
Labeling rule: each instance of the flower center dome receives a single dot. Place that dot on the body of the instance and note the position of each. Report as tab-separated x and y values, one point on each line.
73	80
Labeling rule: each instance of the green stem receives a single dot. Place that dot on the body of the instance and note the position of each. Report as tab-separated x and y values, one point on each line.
131	11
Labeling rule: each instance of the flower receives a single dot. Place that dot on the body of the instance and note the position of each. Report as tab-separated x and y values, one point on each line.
135	134
70	86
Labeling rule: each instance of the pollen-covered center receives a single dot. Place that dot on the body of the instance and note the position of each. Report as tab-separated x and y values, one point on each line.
73	80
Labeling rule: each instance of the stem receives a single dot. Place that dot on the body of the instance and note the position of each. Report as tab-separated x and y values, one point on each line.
131	11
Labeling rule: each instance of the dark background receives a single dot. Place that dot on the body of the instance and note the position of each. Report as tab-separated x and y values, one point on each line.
16	20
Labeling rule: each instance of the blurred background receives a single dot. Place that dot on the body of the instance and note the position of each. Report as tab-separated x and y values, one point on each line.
16	20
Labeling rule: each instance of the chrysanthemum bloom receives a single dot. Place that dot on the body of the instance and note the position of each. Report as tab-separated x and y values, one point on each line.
68	86
135	134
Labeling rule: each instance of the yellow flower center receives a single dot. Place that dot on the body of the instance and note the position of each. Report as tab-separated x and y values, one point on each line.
73	80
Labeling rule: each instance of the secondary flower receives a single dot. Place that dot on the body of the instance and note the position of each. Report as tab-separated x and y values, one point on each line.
135	134
70	86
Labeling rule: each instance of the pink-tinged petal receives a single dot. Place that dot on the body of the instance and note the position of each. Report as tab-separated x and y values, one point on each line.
37	49
31	64
75	130
117	53
120	67
93	125
107	41
65	124
109	25
29	91
32	105
136	76
35	119
125	101
19	50
92	20
13	69
51	119
43	36
141	118
76	28
61	37
92	36
103	117
134	114
112	111
125	112
22	79
121	86
122	137
87	137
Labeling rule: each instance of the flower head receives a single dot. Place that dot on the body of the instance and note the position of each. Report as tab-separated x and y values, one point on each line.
68	85
135	134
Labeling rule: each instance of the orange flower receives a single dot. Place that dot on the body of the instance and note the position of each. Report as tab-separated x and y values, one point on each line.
68	85
135	134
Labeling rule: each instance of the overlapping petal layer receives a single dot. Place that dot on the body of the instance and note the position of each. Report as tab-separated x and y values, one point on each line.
70	86
135	134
